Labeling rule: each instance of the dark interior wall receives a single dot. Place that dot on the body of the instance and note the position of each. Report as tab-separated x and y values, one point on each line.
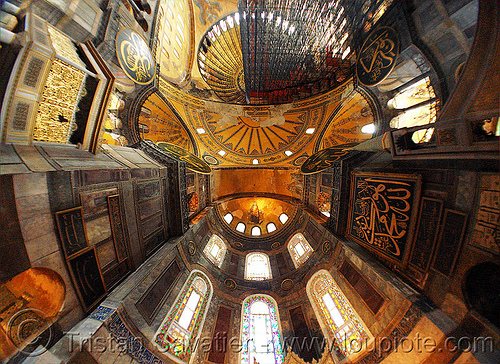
124	222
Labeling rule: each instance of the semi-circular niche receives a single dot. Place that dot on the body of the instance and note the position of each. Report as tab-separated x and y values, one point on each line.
29	303
256	213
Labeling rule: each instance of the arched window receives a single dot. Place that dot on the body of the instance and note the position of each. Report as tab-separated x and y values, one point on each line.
240	227
412	95
215	250
260	331
257	267
283	218
337	318
179	331
299	249
271	227
256	231
228	217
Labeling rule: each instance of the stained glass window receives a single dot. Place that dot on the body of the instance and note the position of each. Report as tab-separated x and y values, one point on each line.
260	331
299	249
339	321
179	331
257	267
215	250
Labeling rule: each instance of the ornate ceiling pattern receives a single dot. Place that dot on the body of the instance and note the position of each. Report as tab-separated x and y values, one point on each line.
175	51
158	123
345	126
256	135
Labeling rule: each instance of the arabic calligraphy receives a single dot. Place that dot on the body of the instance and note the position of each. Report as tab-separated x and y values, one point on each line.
193	163
135	57
325	158
378	56
381	212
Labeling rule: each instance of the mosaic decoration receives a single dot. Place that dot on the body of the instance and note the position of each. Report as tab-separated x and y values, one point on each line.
177	336
378	56
135	349
193	163
326	158
135	57
248	329
102	313
299	249
382	212
215	250
337	314
230	284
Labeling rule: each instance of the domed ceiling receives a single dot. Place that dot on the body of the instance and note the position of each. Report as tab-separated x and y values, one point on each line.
223	65
256	212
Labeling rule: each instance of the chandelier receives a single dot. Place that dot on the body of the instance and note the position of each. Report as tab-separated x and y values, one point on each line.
277	51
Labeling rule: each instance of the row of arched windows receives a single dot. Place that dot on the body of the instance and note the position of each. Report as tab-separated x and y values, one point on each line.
257	265
255	230
260	323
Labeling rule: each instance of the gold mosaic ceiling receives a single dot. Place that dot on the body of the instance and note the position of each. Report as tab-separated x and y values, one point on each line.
239	135
229	135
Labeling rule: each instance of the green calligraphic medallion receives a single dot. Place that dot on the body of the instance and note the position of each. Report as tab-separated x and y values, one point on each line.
193	163
378	56
135	57
325	158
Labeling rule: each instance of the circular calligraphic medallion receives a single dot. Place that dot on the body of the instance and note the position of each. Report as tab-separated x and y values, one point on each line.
286	284
230	284
326	247
238	245
378	56
299	160
135	56
325	158
275	245
193	163
191	247
210	160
